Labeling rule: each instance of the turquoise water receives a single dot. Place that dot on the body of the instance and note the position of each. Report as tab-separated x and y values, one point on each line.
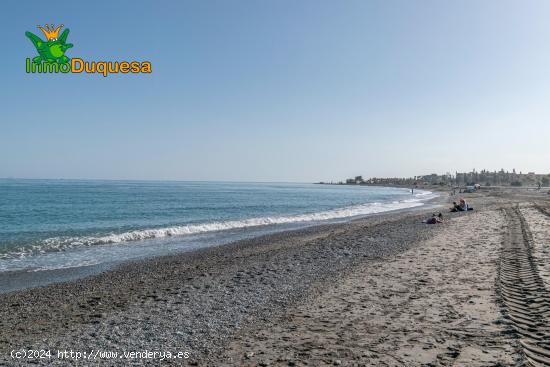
52	224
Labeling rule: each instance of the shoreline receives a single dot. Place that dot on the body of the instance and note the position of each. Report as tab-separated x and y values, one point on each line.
18	280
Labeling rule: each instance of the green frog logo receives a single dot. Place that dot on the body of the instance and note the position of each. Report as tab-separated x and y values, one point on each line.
53	49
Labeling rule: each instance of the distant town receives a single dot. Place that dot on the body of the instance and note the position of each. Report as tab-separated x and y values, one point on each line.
482	178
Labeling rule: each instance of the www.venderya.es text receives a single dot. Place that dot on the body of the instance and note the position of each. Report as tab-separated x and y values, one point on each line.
69	354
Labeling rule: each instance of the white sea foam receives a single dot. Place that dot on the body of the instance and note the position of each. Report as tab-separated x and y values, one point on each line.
65	243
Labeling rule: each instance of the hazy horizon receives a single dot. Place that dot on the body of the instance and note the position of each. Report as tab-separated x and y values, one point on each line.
280	91
519	171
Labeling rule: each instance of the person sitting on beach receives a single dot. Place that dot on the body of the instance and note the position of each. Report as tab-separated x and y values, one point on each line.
435	219
463	206
455	207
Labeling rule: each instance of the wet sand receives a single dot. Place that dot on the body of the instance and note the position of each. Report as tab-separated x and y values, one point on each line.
381	291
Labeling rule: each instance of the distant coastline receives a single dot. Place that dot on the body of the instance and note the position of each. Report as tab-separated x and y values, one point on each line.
458	179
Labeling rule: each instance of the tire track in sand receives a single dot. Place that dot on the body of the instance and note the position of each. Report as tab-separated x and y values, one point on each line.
526	300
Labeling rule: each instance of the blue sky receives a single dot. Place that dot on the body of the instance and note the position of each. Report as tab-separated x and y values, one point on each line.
280	90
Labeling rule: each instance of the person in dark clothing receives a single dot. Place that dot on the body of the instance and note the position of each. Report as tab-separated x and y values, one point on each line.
435	219
455	207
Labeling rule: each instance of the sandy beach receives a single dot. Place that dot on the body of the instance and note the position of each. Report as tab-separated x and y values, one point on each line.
386	290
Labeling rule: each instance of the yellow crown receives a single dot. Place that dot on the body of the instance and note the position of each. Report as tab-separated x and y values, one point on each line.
51	32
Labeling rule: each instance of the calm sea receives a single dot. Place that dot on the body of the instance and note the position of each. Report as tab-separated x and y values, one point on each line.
55	224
